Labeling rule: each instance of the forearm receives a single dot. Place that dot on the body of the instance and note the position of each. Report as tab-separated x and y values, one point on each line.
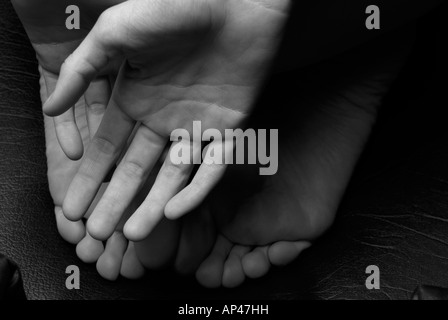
319	29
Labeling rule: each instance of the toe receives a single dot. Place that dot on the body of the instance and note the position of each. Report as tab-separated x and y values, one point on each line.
131	267
71	231
196	241
256	263
109	264
209	273
284	252
233	274
89	249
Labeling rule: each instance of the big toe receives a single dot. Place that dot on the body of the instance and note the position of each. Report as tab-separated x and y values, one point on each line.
210	272
233	274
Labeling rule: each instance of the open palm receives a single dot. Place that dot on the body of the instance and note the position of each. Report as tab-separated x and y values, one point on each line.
184	61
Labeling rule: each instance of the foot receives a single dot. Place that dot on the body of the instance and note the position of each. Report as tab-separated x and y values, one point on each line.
117	256
265	221
53	43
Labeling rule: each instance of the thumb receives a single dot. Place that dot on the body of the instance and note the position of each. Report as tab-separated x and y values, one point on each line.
84	64
138	24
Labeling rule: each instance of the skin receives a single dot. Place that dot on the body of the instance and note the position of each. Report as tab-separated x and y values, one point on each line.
117	256
53	50
44	21
53	43
265	221
198	63
204	60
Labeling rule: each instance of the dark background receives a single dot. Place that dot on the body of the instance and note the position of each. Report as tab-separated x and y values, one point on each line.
394	215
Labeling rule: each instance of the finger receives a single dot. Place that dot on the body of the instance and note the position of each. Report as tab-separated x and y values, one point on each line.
129	176
96	98
101	155
66	129
209	173
172	177
82	66
118	28
68	134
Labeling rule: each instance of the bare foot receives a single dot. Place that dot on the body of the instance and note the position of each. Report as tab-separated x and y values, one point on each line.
269	220
117	256
44	21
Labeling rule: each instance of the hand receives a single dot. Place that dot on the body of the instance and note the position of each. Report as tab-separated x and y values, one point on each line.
44	22
184	61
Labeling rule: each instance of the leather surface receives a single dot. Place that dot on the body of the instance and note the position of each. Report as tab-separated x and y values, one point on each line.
11	286
395	213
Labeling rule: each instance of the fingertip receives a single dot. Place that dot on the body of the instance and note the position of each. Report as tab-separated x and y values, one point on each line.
70	212
131	231
97	230
70	140
70	231
74	152
173	209
53	107
137	230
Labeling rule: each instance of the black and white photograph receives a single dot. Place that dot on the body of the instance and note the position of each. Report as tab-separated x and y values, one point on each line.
218	157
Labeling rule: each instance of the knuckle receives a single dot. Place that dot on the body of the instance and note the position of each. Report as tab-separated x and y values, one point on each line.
108	19
104	145
133	169
177	171
105	17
